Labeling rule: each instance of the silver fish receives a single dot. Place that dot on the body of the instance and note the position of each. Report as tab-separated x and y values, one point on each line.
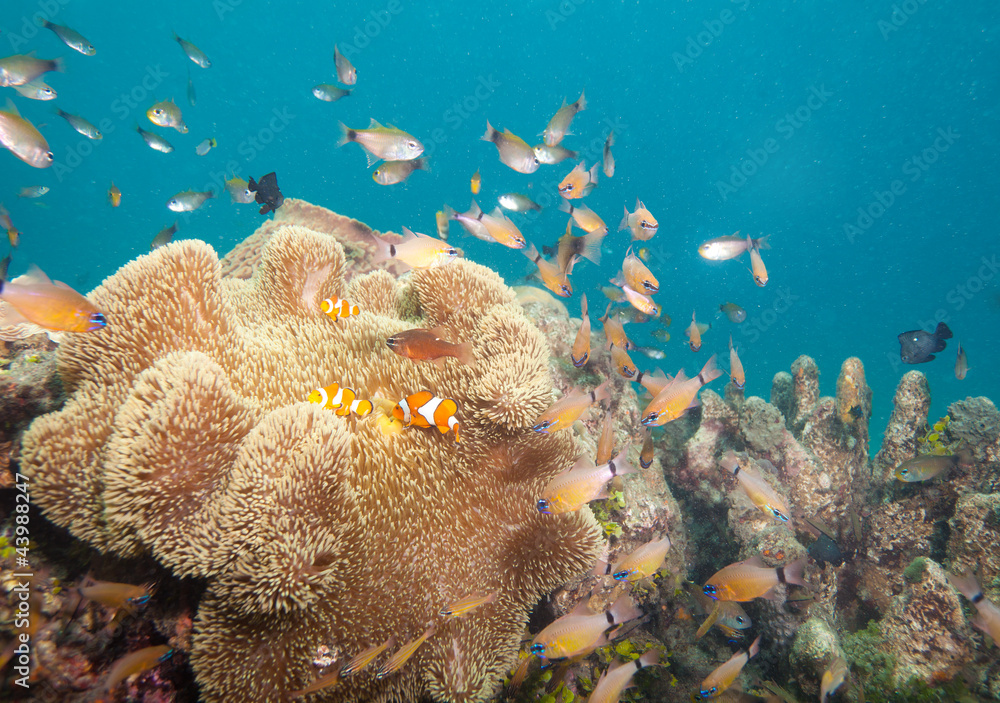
189	200
71	38
81	125
193	52
154	141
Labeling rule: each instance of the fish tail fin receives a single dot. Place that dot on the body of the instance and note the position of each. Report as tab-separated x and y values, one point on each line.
347	134
450	213
465	354
491	134
620	464
531	252
623	610
730	462
421	165
943	331
42	22
58	65
384	250
761	243
602	392
966	584
566	206
583	305
624	222
794	572
754	649
593	172
650	657
581	103
709	372
590	245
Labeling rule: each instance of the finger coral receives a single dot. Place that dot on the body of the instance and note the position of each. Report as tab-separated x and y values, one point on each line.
187	436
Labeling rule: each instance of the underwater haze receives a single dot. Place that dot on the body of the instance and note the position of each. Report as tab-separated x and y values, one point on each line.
861	136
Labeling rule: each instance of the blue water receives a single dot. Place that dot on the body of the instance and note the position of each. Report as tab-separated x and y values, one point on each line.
839	98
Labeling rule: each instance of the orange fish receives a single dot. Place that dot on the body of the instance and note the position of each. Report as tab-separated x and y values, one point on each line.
722	678
619	677
558	126
579	182
606	442
988	620
637	276
585	218
424	409
757	264
403	654
614	331
642	303
580	631
427	345
442	224
514	151
502	229
643	562
362	659
555	280
136	662
416	250
114	195
752	578
464	606
581	347
646	455
623	362
54	306
342	400
735	366
678	396
336	307
694	332
641	222
476	183
566	411
587	247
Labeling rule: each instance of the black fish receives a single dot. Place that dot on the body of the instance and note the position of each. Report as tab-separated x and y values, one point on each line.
825	550
268	193
917	346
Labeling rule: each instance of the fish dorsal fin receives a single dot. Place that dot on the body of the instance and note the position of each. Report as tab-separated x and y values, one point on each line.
681	377
60	284
375	125
755	560
11	108
408	234
582	608
581	463
498	213
36	275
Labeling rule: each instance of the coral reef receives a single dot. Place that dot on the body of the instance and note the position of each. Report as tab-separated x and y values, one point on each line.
815	646
909	417
185	436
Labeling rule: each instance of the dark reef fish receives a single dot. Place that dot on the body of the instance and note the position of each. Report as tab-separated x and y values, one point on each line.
917	346
267	192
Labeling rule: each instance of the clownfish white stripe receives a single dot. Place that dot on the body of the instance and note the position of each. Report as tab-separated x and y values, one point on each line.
428	409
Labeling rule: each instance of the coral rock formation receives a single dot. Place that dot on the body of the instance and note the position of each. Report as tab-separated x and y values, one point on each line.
185	436
909	417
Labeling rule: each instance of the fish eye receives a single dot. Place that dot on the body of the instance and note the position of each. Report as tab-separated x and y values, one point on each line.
535	159
904	472
412	145
158	111
619	575
543	505
378	171
740	619
451	251
566	291
710	591
538	649
49	156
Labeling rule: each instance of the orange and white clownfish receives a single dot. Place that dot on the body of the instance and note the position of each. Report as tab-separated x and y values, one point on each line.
338	307
343	400
424	409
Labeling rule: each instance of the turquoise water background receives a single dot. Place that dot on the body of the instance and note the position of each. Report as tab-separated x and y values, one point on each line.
797	120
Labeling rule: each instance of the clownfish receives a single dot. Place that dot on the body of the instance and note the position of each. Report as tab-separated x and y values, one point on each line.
342	400
338	307
722	678
424	409
581	347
